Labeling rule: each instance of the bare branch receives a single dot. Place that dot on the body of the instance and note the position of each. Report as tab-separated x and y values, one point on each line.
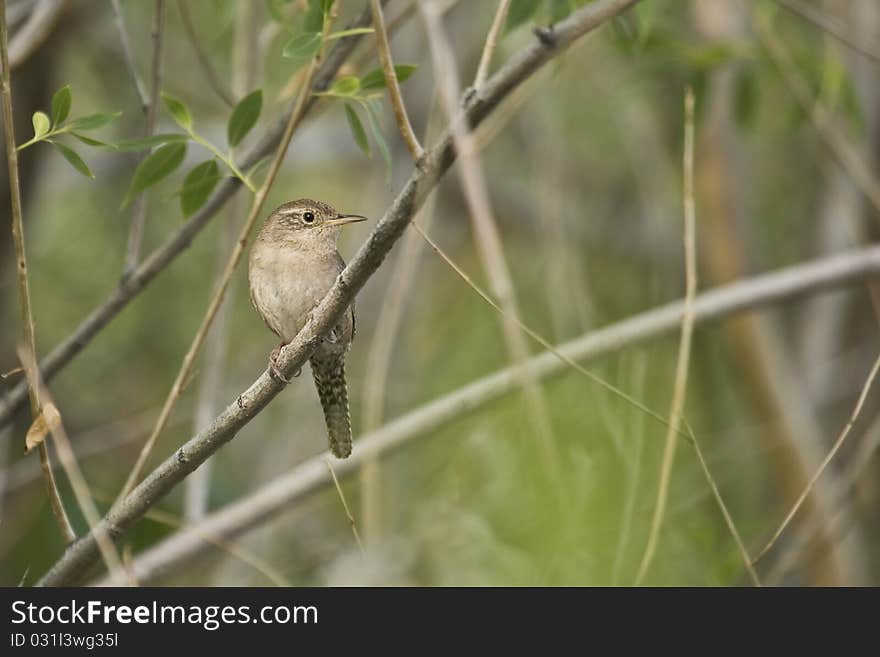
684	346
159	259
24	293
849	267
400	115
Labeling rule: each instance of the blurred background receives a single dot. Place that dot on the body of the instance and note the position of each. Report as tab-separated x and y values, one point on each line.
583	169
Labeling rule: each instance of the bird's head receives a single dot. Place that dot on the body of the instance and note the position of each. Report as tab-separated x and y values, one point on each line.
309	220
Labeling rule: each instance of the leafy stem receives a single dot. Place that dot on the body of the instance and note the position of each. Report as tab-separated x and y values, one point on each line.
225	159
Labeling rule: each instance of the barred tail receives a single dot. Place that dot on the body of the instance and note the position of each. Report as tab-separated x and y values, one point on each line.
329	373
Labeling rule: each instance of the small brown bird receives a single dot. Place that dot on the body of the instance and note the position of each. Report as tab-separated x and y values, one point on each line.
293	264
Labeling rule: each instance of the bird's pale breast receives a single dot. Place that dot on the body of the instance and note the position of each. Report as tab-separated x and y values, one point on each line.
286	286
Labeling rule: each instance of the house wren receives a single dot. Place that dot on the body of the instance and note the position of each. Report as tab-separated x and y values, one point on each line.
293	264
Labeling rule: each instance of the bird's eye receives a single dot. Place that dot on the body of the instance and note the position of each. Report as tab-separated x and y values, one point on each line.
309	217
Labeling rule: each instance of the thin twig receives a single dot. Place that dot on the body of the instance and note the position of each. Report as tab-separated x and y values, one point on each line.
351	522
284	492
537	337
834	449
830	27
24	293
847	155
128	54
489	244
728	519
491	43
204	61
854	469
679	390
400	115
139	211
74	474
220	293
178	241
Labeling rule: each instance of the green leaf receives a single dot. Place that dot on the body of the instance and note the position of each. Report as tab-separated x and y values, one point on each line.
244	117
303	46
154	167
61	102
73	157
178	111
41	124
380	140
519	12
198	185
375	79
93	121
146	143
346	86
357	129
347	33
92	142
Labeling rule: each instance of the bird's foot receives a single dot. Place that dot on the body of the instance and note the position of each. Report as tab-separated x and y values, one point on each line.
333	337
274	372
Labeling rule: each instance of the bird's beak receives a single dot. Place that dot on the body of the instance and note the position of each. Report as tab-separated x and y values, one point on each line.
342	219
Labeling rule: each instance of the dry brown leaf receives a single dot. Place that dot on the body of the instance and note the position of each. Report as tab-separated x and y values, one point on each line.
48	420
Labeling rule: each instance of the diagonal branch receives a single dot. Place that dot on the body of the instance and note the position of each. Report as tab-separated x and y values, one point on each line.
849	267
160	258
81	556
